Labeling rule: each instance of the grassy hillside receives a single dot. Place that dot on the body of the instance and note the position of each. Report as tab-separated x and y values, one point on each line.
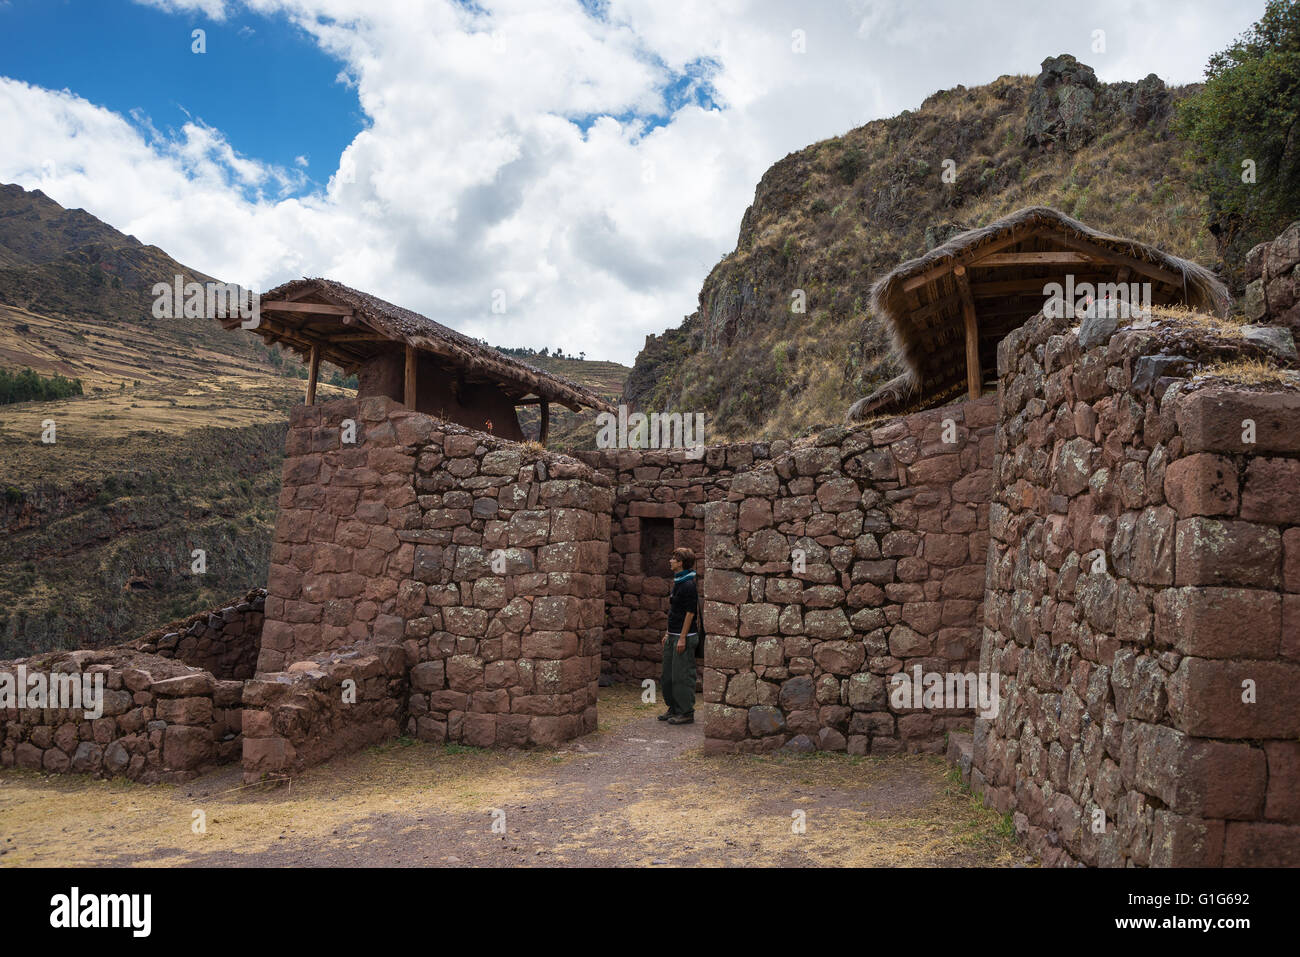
175	445
575	430
833	218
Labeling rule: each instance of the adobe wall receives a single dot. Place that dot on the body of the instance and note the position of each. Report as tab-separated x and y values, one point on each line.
483	559
160	721
1143	575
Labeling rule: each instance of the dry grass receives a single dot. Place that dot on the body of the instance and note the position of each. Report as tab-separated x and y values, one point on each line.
609	797
1249	372
1200	322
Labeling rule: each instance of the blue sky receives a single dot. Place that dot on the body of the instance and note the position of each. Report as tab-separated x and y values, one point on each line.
584	162
263	82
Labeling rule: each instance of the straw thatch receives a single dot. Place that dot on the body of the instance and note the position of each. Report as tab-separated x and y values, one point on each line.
375	326
923	300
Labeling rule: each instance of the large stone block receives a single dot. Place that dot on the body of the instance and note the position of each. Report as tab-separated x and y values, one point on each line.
1235	699
1216	552
1219	622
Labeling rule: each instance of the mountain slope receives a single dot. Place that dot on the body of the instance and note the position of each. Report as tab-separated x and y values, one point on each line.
832	218
176	444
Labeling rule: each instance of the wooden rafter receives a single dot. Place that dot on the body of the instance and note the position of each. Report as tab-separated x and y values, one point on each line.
935	271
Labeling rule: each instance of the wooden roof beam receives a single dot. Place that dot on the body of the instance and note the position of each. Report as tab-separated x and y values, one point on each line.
996	246
1150	270
284	305
998	260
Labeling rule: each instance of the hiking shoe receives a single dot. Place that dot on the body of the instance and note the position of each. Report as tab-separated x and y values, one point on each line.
682	719
667	715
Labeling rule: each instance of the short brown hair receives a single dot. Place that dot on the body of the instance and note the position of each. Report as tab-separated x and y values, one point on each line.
685	556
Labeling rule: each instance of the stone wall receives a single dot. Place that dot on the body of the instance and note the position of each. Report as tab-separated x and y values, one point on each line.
486	559
1143	572
160	721
658	502
225	641
831	567
1273	281
333	703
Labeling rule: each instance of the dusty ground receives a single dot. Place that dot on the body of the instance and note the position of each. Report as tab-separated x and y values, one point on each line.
637	792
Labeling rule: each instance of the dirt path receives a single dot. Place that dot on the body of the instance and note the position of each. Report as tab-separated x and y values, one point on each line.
637	792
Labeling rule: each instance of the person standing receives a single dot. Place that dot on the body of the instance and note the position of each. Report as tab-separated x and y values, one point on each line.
678	680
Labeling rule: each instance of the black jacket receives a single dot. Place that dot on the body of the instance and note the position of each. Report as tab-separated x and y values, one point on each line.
683	598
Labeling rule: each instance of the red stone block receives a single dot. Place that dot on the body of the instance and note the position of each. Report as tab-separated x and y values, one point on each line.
1219	622
1283	803
1260	844
1216	419
1217	552
1272	491
1291	559
1206	699
1202	484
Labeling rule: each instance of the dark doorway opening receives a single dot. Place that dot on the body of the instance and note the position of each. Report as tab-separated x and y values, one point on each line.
656	547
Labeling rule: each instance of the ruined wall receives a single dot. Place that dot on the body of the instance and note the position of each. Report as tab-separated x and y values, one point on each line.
485	559
333	703
225	641
1144	562
160	721
891	524
1273	281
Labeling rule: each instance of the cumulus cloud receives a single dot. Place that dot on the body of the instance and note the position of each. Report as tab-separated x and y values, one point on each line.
590	163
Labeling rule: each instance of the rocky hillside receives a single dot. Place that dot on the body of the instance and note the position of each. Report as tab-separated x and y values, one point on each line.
834	217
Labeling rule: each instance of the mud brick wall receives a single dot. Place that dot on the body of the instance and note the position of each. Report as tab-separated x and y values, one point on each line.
161	721
1273	281
332	703
225	641
892	523
1144	562
657	507
486	559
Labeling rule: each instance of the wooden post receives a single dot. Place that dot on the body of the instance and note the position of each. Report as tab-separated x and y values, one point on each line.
974	375
409	378
545	408
312	372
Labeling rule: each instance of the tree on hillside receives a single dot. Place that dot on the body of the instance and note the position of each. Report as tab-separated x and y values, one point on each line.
1244	127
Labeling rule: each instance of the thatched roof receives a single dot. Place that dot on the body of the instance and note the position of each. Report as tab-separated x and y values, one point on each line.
997	274
350	327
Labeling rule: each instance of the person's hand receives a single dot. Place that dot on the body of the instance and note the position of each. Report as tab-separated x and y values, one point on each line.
681	645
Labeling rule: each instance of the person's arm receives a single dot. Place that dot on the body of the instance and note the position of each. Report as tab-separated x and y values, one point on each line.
686	630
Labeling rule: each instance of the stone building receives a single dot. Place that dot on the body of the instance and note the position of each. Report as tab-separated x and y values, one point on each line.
1113	534
409	358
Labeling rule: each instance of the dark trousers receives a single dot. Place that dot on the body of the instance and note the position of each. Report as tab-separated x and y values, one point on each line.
678	680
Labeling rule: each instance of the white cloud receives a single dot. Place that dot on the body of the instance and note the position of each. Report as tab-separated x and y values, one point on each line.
471	177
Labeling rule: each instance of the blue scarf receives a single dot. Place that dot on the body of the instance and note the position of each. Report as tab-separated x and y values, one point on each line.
682	576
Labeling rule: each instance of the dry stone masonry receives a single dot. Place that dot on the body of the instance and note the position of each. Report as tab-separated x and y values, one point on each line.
1112	536
1142	608
482	558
